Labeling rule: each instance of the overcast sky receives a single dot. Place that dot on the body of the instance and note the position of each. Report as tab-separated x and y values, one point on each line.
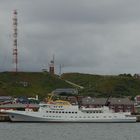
86	36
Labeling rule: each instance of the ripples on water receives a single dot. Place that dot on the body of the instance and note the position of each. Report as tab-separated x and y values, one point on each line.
69	131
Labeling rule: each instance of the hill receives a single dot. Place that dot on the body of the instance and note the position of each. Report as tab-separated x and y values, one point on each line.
29	84
41	83
123	85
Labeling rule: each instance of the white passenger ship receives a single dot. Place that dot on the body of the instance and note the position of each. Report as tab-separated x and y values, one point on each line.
63	111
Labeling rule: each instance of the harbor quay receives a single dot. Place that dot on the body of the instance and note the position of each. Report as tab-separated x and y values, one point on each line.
17	106
4	117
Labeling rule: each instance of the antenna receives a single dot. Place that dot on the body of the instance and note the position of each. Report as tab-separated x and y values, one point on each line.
15	49
60	69
53	58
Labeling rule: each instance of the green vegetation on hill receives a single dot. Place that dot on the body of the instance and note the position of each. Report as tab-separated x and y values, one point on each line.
29	84
123	85
41	83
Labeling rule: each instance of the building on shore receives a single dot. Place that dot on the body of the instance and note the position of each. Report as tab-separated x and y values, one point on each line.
116	104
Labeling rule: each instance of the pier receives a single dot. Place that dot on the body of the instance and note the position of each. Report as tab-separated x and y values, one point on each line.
4	117
17	106
138	118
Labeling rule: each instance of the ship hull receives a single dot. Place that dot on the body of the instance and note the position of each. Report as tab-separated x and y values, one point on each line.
14	117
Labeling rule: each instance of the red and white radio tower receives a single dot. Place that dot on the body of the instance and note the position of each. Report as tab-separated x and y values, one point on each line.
15	44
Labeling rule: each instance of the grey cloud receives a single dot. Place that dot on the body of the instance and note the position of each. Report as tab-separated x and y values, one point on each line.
89	36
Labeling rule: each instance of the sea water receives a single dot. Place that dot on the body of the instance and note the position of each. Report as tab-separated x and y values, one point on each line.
69	131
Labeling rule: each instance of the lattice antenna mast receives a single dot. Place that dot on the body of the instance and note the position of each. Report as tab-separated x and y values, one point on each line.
15	43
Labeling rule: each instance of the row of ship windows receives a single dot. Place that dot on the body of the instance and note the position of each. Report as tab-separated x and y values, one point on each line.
83	116
53	106
57	106
60	112
96	111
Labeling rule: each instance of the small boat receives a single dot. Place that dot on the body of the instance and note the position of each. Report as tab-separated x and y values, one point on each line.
63	111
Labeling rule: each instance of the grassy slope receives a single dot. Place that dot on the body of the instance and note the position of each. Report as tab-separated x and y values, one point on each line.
37	83
103	86
43	83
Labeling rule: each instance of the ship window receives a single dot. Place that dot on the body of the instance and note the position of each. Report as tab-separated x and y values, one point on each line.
104	116
59	111
50	111
56	111
12	116
43	106
46	111
76	112
72	112
69	112
63	112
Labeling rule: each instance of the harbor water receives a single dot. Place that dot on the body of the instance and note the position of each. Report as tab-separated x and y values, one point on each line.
69	131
